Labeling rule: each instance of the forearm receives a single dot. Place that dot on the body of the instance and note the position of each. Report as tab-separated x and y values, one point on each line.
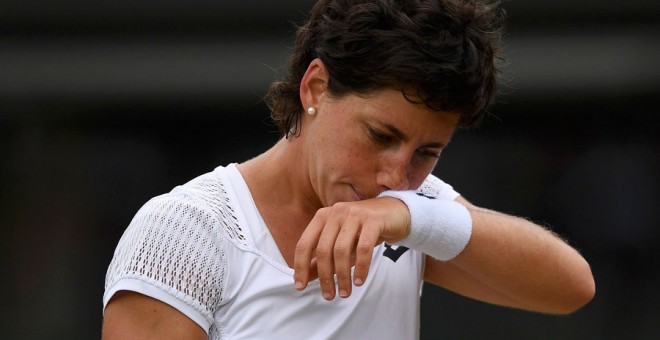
520	264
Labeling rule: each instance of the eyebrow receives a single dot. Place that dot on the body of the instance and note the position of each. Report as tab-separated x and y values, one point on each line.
402	136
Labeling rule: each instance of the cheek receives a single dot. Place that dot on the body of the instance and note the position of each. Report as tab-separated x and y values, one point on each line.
356	157
420	168
340	155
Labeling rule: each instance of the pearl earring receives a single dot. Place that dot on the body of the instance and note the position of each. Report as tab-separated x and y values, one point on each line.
311	110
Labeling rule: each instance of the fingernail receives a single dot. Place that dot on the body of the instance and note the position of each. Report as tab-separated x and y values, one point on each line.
358	281
298	285
327	295
343	293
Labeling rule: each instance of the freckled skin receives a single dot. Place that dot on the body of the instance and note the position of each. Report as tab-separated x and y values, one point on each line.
346	158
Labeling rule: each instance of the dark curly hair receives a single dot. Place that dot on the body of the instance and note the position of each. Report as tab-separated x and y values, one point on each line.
442	53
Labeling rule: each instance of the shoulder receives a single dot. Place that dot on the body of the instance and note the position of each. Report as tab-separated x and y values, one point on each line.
196	213
174	250
172	241
176	216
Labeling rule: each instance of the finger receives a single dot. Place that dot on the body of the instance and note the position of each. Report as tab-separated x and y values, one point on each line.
304	252
368	239
313	271
325	263
343	256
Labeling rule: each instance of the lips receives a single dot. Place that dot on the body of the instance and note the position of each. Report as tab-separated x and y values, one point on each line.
357	195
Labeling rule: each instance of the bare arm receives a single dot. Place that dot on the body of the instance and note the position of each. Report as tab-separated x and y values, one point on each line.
131	315
508	261
512	262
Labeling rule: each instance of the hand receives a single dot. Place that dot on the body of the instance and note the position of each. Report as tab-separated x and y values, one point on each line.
344	235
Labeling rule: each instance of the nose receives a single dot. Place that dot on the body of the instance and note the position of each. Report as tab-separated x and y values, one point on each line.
393	173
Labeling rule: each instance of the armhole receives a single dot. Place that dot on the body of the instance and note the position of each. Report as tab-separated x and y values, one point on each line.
154	292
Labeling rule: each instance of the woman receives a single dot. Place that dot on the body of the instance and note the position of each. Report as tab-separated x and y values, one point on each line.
331	232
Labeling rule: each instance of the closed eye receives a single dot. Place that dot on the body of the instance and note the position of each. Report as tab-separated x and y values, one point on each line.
429	153
379	136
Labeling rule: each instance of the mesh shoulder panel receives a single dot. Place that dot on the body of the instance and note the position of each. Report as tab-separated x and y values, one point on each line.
176	244
435	187
212	191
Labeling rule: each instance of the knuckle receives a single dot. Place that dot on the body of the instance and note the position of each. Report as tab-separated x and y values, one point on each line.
363	249
360	268
341	205
346	208
323	252
342	277
323	212
301	245
341	248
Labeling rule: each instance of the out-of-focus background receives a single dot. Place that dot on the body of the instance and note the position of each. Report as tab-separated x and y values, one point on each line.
106	104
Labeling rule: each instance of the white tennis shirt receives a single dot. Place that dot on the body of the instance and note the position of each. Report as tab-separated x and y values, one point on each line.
204	249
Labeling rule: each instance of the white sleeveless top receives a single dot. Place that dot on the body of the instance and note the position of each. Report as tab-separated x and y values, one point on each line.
204	249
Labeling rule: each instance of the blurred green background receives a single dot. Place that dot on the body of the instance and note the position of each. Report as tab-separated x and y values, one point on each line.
106	104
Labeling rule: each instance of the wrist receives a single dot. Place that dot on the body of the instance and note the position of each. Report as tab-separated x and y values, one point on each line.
439	228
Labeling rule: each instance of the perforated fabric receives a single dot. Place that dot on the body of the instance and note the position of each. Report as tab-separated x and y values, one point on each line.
175	244
181	247
436	188
214	195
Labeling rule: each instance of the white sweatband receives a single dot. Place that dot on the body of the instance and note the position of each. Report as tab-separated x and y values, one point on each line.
439	228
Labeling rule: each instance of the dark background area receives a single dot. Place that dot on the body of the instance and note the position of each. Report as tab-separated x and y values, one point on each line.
106	104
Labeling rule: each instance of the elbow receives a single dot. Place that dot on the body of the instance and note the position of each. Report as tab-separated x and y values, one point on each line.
583	288
580	297
585	292
580	290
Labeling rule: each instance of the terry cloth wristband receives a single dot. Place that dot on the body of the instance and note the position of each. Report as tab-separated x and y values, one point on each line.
438	228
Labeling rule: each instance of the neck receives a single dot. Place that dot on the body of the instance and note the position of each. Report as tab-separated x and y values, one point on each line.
280	184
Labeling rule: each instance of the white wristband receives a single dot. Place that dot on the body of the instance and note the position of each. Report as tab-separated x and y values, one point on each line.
439	228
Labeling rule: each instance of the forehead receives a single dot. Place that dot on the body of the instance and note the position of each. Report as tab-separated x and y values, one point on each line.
397	102
393	96
391	107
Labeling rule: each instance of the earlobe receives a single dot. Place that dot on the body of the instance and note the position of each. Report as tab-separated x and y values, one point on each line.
313	84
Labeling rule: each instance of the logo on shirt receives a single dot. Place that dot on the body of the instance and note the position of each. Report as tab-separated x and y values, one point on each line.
394	252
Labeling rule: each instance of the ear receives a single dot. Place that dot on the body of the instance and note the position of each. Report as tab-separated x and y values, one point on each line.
313	84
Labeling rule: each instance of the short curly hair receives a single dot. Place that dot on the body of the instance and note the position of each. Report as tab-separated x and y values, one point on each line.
443	53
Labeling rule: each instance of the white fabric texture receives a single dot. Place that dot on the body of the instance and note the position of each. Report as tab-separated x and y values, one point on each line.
436	188
175	247
439	228
204	249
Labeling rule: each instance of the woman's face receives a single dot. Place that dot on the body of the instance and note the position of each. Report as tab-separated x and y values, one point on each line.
359	147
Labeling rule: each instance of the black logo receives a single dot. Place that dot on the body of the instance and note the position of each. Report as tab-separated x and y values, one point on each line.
394	252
